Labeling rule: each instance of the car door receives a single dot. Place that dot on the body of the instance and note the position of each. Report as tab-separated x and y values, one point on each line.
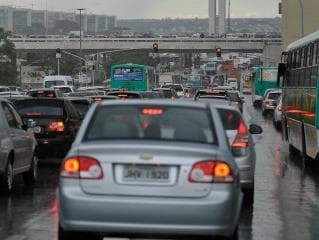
22	140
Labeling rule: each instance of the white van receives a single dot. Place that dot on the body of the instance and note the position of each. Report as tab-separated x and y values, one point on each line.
56	80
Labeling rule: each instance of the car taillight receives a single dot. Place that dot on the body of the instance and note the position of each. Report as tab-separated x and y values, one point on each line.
81	167
280	108
266	102
211	172
242	138
56	126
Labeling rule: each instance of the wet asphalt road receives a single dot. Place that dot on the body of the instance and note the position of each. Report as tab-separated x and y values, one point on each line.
286	202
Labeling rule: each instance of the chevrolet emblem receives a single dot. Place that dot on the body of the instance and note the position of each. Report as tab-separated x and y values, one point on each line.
146	157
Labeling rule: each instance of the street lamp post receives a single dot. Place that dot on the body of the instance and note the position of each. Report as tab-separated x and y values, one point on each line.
302	18
80	9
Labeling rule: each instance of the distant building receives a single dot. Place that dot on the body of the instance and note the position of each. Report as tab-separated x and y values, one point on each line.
299	18
212	16
212	7
15	19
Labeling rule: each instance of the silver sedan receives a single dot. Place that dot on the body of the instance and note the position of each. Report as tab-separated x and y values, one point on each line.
149	167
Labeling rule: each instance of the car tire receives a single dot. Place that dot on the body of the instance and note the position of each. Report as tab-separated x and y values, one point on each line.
293	150
31	176
71	235
249	195
264	113
7	178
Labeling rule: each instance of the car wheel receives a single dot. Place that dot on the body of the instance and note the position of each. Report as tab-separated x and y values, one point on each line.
31	176
71	235
7	178
293	150
264	113
249	195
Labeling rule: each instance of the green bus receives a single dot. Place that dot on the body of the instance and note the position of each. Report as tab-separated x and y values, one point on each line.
298	74
132	77
263	78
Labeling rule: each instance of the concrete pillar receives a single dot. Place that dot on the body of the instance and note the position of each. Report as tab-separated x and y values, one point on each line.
29	18
10	19
221	16
212	16
85	23
96	23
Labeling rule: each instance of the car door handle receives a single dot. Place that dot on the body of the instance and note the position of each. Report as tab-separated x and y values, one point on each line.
12	135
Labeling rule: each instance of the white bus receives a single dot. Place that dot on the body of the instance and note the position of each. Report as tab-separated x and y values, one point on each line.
57	80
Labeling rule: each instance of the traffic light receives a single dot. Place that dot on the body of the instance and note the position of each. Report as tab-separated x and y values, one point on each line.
58	53
155	47
218	52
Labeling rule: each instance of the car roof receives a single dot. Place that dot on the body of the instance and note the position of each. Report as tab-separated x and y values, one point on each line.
159	102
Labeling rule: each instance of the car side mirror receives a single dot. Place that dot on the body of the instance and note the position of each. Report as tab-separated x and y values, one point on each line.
255	129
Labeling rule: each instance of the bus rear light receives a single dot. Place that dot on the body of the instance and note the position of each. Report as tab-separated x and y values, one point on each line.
211	171
81	167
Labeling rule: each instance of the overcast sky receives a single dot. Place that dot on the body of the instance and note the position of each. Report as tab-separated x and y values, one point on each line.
152	8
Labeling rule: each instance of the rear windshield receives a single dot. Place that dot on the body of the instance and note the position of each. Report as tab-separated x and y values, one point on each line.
230	119
125	95
52	83
274	96
65	89
42	93
166	92
81	107
39	109
177	88
155	123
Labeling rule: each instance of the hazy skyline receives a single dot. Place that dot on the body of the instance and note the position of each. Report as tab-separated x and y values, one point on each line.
132	9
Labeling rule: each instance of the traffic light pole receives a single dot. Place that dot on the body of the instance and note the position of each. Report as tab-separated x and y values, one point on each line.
58	66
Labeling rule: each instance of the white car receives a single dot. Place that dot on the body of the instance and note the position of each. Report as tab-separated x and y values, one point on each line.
270	100
278	115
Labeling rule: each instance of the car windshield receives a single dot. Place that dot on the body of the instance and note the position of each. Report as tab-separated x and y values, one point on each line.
151	123
274	96
81	106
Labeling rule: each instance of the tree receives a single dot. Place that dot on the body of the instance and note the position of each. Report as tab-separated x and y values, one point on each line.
8	67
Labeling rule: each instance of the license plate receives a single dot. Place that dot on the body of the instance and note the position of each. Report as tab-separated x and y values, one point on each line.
145	173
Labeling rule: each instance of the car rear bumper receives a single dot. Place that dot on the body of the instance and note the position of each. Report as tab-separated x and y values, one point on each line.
53	147
246	167
216	214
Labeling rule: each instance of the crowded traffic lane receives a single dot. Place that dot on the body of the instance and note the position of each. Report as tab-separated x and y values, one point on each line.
285	207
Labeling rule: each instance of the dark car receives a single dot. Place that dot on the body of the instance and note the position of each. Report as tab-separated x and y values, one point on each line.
125	94
57	123
82	104
45	92
151	95
17	148
166	92
229	95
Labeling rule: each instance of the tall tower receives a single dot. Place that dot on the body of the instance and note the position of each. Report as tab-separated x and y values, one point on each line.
221	16
212	16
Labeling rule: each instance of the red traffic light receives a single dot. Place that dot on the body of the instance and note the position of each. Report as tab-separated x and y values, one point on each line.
155	47
218	52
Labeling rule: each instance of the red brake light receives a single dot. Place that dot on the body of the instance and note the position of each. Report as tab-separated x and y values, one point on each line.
211	172
151	111
56	126
33	114
242	139
81	167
